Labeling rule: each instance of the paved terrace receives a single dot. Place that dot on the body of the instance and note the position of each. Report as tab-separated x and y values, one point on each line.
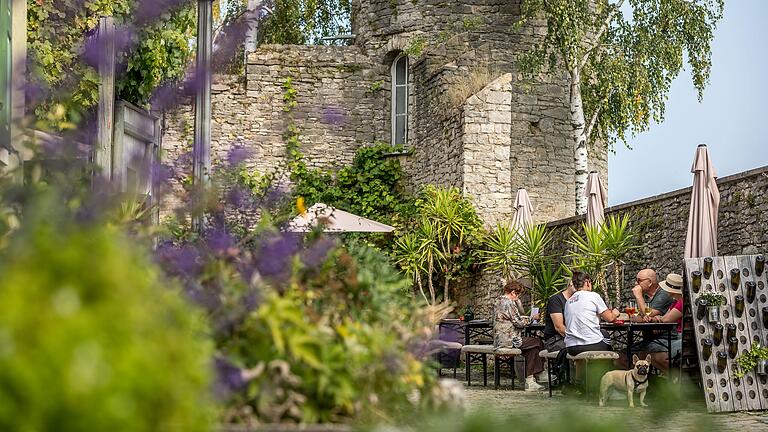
537	405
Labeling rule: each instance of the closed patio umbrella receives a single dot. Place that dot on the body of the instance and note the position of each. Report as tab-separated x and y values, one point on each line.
701	239
334	220
596	197
523	217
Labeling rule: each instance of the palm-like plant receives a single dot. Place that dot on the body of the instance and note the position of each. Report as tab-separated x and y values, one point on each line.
407	255
588	254
600	247
618	241
501	250
454	220
548	280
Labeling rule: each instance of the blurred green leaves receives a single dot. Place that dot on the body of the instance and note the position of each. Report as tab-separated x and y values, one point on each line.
91	338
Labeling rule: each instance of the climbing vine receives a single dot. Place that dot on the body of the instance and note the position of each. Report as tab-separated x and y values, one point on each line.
57	31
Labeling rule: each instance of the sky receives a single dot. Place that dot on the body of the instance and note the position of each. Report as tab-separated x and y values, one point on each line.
732	119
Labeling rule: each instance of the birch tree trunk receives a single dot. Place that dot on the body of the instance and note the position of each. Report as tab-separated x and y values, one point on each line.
579	136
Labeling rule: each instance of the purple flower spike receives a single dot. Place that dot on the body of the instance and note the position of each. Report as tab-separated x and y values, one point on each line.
276	254
318	252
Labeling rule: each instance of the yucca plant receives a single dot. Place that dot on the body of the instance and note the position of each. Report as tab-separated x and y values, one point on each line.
455	223
500	251
548	280
618	241
588	254
407	255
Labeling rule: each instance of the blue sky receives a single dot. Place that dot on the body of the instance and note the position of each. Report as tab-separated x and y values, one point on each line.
732	119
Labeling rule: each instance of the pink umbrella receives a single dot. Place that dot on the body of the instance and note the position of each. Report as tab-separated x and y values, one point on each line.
701	240
523	217
596	197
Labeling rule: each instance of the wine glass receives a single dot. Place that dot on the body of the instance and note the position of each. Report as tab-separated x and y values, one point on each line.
631	309
648	311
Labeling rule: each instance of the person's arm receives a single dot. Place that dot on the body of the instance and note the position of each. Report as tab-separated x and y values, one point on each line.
637	293
609	315
558	320
672	316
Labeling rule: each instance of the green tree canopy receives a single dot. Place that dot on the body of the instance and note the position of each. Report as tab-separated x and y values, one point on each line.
620	58
306	21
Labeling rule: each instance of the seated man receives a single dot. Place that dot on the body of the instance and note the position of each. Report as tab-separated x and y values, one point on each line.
554	327
583	312
673	284
648	295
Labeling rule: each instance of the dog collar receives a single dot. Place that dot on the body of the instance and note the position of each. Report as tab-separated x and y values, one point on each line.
637	383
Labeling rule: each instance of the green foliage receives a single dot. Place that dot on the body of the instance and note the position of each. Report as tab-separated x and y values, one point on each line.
472	23
442	240
712	298
306	21
601	247
55	32
371	187
523	254
339	340
749	360
375	87
415	46
623	63
90	337
160	56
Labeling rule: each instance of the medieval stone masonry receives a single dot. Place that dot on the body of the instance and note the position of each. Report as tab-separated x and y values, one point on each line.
472	122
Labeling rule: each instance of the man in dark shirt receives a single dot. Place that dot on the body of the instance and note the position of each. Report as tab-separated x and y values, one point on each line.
649	296
554	321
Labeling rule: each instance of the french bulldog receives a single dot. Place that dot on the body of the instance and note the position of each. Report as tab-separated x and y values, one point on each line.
631	381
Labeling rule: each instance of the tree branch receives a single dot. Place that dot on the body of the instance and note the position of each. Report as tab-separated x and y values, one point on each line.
596	40
595	115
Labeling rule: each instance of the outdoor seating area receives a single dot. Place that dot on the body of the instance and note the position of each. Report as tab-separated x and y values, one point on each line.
368	215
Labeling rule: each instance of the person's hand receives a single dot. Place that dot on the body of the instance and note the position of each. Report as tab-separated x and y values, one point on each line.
647	318
616	312
536	316
637	291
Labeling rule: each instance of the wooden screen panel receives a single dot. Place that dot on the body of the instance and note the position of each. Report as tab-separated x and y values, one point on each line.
724	392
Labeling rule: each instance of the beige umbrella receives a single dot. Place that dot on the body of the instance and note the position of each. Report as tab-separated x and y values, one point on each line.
523	217
596	197
334	220
701	240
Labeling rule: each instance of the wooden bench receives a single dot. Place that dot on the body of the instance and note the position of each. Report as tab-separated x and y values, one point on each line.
474	352
549	356
505	356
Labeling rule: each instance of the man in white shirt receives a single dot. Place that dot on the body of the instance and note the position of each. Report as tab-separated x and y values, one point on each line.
583	311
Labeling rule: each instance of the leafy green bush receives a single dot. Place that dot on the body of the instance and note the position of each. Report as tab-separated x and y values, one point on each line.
90	336
342	343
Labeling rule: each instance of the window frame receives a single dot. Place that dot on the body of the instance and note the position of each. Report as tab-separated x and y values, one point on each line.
395	86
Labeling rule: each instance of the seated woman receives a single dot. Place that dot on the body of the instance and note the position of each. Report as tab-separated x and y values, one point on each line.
659	356
508	324
583	311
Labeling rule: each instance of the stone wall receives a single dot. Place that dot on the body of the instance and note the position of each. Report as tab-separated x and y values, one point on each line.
661	223
342	104
487	172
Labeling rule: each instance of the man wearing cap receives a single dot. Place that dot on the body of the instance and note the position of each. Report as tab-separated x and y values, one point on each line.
648	295
673	285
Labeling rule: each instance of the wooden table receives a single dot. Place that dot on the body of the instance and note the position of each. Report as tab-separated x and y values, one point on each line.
625	333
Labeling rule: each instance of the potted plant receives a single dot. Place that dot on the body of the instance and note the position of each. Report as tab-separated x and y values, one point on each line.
713	300
756	358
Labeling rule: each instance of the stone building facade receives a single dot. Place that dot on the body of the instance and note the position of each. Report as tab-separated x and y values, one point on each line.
472	122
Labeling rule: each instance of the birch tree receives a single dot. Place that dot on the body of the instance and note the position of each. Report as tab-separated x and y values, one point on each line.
621	58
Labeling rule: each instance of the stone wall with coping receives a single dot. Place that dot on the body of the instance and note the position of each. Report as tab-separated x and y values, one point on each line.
342	100
661	222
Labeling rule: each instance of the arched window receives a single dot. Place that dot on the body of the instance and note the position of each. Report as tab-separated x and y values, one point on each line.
400	100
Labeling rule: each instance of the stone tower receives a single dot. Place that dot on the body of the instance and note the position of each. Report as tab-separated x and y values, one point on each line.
471	120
